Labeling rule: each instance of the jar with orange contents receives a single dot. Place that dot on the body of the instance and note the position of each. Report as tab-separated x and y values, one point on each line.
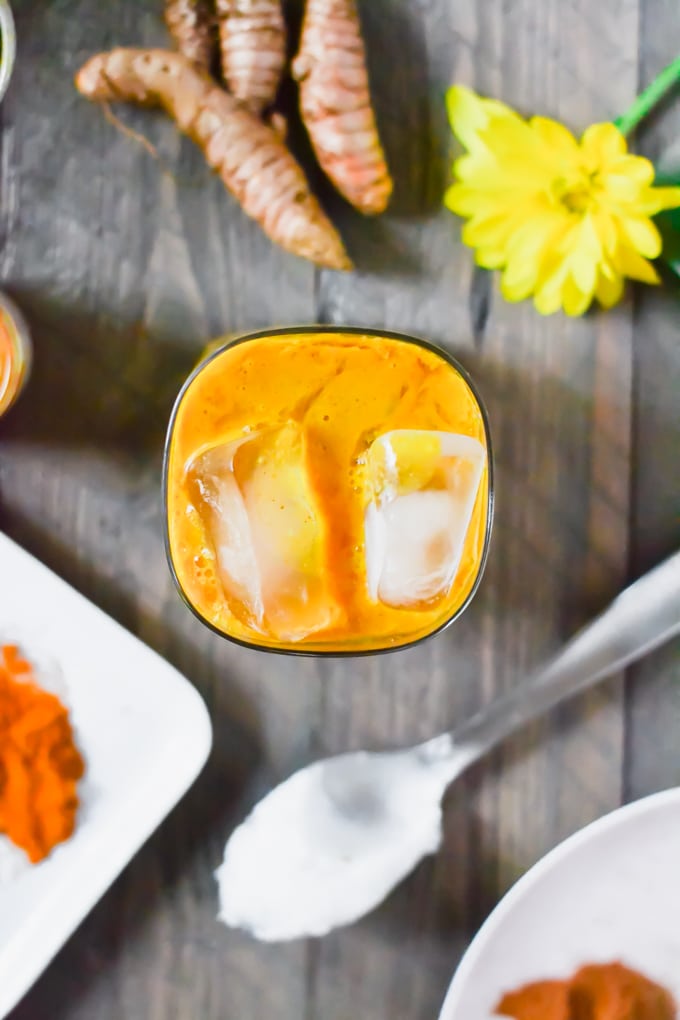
15	353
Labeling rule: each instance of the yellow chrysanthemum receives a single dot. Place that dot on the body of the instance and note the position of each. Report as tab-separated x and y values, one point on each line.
565	221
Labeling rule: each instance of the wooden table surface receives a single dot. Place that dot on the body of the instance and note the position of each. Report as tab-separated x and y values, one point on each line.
125	267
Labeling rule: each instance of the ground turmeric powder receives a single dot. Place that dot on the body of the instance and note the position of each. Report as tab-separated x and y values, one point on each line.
253	49
335	102
614	992
249	156
596	992
40	764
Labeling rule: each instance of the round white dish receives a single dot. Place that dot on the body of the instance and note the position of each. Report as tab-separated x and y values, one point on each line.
611	892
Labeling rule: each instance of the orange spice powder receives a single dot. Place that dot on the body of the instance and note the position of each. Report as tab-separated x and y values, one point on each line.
596	992
40	764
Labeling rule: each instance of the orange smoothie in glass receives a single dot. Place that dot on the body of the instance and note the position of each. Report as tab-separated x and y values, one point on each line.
327	490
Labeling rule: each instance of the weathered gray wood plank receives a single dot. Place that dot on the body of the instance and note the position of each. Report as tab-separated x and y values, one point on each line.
559	400
125	270
654	691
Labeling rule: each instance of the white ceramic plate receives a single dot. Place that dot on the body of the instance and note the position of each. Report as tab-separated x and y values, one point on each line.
612	892
144	732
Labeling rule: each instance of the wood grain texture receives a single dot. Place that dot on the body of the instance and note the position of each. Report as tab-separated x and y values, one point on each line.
654	688
125	267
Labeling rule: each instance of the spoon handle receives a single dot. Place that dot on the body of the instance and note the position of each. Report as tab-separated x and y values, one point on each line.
644	616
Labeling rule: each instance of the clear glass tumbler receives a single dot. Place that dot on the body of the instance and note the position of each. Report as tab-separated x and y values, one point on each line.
328	490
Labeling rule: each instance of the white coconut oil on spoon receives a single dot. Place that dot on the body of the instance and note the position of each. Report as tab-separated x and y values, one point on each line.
327	845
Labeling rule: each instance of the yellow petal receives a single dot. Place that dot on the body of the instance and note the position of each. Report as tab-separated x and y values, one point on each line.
585	256
609	291
496	224
522	269
504	175
466	200
637	168
629	263
583	271
530	256
548	296
602	144
518	289
605	227
653	200
607	269
490	258
580	252
469	113
517	149
642	234
489	231
469	167
533	253
555	136
521	274
589	238
543	226
466	114
621	189
575	301
462	199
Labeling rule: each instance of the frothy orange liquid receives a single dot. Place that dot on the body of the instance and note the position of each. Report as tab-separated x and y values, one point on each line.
295	417
13	361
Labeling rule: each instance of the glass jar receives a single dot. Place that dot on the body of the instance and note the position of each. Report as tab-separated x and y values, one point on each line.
15	353
7	45
328	490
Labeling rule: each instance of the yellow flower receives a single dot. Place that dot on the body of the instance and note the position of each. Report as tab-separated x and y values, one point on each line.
565	221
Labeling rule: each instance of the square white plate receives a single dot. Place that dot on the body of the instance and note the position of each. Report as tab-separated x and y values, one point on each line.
144	732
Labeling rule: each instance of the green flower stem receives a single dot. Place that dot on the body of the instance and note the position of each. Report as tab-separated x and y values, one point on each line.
648	99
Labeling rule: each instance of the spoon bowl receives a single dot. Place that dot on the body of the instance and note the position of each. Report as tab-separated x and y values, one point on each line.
329	844
345	831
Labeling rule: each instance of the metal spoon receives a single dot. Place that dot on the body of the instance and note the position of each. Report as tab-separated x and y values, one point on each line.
328	844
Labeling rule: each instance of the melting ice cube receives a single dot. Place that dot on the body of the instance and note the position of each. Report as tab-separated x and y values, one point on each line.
423	487
220	503
260	513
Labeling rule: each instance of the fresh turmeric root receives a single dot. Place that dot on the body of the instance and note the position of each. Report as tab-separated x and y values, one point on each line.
336	104
190	23
249	156
253	47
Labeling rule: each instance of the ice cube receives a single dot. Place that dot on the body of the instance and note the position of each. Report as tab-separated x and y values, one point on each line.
259	509
423	486
220	503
